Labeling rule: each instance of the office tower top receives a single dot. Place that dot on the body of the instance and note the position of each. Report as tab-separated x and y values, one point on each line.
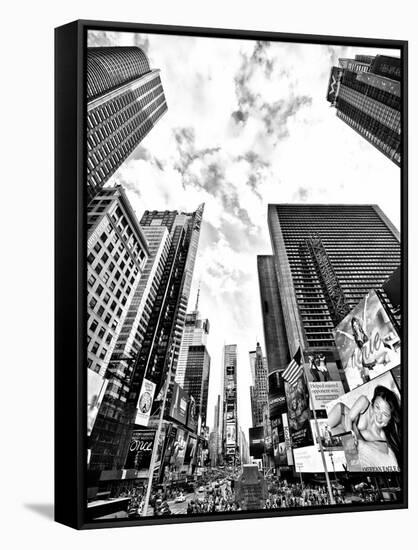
366	92
259	389
125	99
327	257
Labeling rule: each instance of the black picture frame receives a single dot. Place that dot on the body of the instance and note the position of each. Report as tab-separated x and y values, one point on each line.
70	267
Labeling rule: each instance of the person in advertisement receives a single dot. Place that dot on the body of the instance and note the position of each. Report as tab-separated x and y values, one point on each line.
367	342
375	427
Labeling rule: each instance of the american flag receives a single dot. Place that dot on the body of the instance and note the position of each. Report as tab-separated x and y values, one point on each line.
294	370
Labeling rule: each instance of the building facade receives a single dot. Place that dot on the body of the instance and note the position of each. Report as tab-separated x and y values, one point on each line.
366	93
326	258
125	99
259	388
230	426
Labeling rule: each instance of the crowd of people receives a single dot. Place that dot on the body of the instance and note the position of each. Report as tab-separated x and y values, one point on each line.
295	495
216	499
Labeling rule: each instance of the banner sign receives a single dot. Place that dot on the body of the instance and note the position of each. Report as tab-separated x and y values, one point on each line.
192	419
298	415
367	419
230	433
367	342
145	401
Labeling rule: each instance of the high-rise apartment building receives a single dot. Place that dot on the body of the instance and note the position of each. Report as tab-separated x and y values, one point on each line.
230	433
125	99
366	93
326	258
259	388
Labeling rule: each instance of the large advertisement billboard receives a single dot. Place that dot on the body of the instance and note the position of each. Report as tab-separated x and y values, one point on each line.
231	433
334	83
140	450
256	436
324	379
368	421
145	400
96	388
367	342
192	417
179	404
298	413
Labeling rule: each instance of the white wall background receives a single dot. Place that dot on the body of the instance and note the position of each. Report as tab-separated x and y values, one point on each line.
26	481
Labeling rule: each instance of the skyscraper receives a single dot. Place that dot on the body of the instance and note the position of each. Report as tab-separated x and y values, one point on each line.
326	259
230	439
259	388
161	345
367	95
125	99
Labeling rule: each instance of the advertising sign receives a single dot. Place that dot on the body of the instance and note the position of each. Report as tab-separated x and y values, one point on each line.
140	449
96	388
179	404
367	342
324	392
179	448
230	433
256	436
192	419
309	460
287	440
145	400
334	84
298	413
368	421
190	450
276	395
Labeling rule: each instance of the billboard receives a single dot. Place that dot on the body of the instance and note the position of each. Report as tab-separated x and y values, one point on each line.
298	413
140	449
256	436
96	388
179	404
334	84
231	433
145	400
324	379
190	450
367	342
192	418
179	448
368	421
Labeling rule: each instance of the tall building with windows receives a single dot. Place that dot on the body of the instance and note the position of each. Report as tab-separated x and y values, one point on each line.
259	388
326	258
113	420
193	367
125	99
117	251
230	427
366	92
161	345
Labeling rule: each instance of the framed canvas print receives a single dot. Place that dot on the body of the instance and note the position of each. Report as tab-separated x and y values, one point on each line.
231	274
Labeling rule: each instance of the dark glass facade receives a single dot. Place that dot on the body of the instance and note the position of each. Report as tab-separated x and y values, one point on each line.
196	378
369	101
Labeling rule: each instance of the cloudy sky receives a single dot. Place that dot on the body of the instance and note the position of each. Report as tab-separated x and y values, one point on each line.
247	125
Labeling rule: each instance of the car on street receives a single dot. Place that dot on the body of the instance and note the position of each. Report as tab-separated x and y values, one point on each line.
180	498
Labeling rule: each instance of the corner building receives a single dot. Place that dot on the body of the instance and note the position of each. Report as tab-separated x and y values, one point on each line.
125	100
366	92
326	258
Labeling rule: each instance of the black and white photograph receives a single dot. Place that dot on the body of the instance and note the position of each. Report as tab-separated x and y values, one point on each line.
244	205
